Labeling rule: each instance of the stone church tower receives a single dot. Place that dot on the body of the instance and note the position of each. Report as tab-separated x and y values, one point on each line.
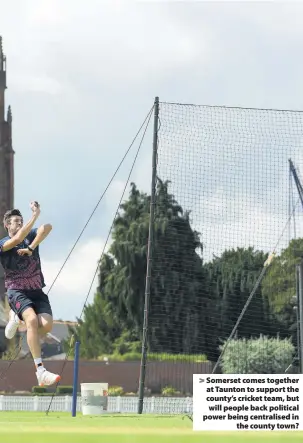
6	159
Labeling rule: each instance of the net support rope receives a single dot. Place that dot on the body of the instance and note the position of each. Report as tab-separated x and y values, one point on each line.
147	119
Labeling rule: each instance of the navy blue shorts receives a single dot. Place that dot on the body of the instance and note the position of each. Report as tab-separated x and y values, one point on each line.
21	299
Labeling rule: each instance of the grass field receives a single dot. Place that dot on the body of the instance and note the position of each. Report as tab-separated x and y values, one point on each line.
31	427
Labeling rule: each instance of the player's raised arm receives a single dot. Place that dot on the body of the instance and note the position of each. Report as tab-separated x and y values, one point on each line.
42	233
15	229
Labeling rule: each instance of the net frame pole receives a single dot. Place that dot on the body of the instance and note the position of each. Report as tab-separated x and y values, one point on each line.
75	381
149	257
300	314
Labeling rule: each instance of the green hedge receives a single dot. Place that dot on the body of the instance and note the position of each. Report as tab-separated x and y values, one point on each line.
61	390
136	356
39	390
64	390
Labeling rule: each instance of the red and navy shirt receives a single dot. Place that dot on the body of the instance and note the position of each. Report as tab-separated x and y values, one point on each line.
22	272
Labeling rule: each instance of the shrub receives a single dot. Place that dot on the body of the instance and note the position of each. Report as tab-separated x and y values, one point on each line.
64	390
136	356
169	390
115	391
39	390
257	356
127	343
195	358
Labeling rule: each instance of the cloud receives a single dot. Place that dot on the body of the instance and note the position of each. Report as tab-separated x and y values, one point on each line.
284	20
37	84
69	292
60	41
203	149
230	168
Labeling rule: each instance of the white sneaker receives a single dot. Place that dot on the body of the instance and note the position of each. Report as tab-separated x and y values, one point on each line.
46	378
12	325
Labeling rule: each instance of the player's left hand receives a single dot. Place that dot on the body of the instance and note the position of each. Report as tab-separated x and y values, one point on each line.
24	252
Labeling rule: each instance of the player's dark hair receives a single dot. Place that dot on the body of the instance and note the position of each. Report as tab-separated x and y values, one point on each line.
9	214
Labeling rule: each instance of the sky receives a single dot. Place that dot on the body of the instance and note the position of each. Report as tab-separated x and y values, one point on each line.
81	81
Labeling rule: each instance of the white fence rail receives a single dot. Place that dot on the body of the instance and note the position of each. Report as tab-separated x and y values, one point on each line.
152	405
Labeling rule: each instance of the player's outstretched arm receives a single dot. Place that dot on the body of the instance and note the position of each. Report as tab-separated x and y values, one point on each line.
24	231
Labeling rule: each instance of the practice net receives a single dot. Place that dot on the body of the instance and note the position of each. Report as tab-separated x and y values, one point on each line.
225	199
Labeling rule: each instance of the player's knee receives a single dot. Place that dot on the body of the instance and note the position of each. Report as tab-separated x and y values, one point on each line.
32	322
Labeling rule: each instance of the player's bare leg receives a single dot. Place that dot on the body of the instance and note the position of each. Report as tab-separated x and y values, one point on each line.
45	378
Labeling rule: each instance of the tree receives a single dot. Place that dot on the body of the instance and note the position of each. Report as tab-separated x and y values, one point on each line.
176	302
279	286
100	325
193	306
177	309
232	277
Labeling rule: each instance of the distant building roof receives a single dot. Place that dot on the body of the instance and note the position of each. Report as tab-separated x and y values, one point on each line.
60	329
56	357
59	333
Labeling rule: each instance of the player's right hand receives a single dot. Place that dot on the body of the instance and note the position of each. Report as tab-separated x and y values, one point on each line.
35	207
24	252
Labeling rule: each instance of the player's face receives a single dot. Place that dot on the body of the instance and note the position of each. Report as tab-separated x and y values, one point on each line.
14	225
